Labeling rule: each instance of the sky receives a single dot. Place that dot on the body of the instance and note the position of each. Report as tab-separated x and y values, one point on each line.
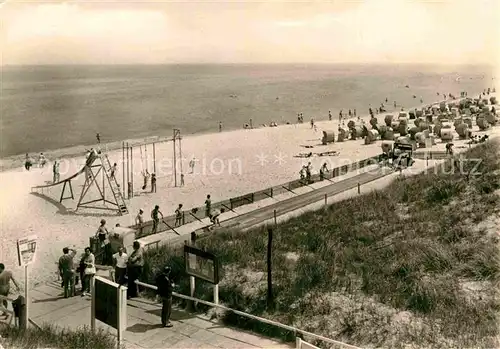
159	32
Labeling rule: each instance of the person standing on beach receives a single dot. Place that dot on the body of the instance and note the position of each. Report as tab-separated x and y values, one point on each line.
178	216
5	278
312	122
27	162
102	232
182	179
67	271
98	136
165	287
55	171
145	177
191	164
139	219
42	160
208	206
156	219
220	126
330	115
322	171
308	172
354	112
302	172
153	183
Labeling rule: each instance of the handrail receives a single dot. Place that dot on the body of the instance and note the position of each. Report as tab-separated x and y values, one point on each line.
4	298
254	317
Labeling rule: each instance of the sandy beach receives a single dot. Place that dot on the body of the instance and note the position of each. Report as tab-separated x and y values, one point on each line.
228	164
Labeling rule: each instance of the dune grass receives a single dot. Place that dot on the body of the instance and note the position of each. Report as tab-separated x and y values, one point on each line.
50	336
413	264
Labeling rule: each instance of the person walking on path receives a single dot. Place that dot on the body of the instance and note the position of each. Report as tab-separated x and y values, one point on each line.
5	279
67	271
153	183
55	171
89	271
156	219
165	289
208	206
178	216
135	265
120	260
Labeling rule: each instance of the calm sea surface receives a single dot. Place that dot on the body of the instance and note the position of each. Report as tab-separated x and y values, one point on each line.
51	107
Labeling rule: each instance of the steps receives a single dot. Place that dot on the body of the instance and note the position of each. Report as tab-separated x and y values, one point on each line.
113	184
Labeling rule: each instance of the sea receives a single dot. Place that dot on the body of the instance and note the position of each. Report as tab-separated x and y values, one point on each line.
45	108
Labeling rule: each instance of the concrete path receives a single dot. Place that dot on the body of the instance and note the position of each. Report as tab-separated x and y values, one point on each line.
143	323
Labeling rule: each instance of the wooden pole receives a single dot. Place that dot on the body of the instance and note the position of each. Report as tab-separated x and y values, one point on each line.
270	300
275	218
175	163
326	199
180	151
359	188
26	296
128	172
132	170
146	155
123	169
103	185
154	157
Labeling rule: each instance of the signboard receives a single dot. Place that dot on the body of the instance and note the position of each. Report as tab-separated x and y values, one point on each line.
26	250
108	305
201	264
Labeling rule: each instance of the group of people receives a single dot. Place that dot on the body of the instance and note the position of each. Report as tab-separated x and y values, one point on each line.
28	162
306	172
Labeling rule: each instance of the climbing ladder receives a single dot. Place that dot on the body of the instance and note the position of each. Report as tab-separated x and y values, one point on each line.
113	184
91	180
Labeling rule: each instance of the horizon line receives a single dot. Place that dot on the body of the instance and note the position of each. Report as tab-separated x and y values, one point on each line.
249	63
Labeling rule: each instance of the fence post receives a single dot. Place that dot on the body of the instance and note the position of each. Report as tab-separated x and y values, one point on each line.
183	217
326	199
275	219
271	192
359	188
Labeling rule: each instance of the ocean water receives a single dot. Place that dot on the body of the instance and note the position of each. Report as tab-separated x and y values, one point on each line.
51	107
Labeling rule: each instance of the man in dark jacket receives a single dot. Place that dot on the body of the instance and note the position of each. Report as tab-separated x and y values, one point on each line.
165	288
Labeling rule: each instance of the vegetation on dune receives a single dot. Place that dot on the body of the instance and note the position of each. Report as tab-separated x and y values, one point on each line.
50	336
413	264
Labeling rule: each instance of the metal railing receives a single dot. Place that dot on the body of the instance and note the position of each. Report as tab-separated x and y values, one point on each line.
198	213
254	317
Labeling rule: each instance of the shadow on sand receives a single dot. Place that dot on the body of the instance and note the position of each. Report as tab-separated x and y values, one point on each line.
62	210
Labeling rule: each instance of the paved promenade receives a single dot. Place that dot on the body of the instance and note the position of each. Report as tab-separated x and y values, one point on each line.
143	323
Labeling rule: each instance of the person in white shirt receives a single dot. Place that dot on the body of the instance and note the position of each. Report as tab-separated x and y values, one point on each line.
120	260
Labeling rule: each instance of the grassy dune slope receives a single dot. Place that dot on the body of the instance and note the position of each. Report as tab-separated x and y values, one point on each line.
413	265
56	338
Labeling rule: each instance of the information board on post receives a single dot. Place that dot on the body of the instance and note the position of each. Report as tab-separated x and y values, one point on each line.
26	249
201	264
109	305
